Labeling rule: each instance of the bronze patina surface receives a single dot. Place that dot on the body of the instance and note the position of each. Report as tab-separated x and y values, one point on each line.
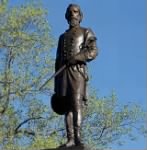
76	47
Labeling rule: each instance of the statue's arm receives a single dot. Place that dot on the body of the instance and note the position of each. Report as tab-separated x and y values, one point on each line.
90	50
58	54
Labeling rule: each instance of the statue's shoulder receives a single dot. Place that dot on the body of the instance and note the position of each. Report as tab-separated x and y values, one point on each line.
86	29
88	32
61	35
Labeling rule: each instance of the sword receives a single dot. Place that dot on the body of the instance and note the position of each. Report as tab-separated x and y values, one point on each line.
53	76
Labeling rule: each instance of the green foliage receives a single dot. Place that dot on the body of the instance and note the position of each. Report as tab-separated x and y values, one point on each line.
43	142
3	4
106	121
25	61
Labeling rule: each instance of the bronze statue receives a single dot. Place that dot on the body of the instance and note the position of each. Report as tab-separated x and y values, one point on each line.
76	47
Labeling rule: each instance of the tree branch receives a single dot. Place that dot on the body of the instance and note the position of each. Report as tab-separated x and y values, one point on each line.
7	85
24	122
6	82
103	129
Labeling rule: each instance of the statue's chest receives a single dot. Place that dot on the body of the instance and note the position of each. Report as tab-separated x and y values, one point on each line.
73	40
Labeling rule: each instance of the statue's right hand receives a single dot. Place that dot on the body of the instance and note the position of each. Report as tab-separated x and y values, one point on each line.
71	61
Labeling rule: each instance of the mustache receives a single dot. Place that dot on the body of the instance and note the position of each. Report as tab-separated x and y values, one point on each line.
73	18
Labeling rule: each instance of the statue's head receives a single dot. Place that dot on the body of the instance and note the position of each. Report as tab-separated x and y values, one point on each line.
73	14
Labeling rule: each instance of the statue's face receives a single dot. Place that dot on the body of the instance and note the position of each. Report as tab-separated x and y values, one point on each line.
74	16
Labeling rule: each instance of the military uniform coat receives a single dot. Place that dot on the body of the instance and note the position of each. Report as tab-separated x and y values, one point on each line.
79	43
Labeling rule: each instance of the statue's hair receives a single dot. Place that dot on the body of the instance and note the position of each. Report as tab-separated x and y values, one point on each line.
75	5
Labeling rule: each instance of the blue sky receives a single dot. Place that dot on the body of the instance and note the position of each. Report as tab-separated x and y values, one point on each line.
120	27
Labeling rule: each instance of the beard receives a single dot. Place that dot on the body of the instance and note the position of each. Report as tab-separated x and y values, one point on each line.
74	22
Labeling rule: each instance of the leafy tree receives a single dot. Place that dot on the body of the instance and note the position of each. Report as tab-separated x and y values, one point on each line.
106	121
25	45
26	120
